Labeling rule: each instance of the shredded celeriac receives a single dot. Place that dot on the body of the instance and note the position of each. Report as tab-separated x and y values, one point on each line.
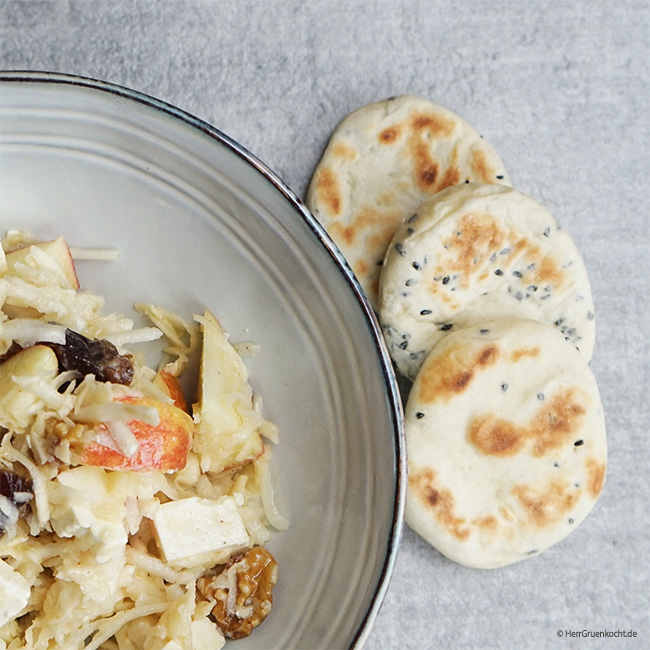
82	536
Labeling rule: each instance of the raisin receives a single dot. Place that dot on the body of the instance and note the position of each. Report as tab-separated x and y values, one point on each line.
96	357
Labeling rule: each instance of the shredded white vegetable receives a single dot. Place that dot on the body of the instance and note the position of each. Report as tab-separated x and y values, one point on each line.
92	462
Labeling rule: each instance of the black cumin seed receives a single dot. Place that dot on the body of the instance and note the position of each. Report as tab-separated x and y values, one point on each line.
412	218
504	387
578	443
547	232
409	282
445	280
405	294
416	266
556	464
409	231
419	415
499	176
484	331
425	312
403	345
517	274
540	397
532	287
498	272
446	327
571	520
400	249
559	321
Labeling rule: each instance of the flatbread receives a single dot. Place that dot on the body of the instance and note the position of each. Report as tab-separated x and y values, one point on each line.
506	440
477	252
381	162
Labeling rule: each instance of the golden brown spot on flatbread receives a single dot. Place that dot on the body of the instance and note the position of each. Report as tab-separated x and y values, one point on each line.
361	267
389	135
453	372
495	436
480	166
327	187
367	220
543	508
595	476
549	272
524	352
554	424
476	237
451	177
486	523
425	128
345	151
440	501
433	123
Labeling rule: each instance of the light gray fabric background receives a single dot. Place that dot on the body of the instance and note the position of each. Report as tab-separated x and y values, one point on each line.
560	89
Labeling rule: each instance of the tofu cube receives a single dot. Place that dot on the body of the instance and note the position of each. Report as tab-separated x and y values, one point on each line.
14	593
193	526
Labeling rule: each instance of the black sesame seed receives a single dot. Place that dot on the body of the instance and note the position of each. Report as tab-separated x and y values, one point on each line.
499	176
425	312
484	331
400	249
556	464
405	294
409	231
409	282
467	180
445	280
419	415
380	263
412	218
531	266
590	315
547	232
532	552
519	295
416	266
498	272
540	397
446	327
578	443
532	288
571	520
517	274
403	345
504	387
493	257
504	251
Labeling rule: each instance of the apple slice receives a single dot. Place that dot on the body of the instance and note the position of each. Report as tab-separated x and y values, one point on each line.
171	386
163	447
57	249
227	424
18	406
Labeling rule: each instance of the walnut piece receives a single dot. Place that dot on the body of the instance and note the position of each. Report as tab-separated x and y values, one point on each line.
253	575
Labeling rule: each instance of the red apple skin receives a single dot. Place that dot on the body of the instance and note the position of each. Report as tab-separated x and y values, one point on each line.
163	447
172	386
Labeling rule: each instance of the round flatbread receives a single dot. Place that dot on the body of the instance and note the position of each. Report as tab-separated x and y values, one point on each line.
477	252
506	440
381	162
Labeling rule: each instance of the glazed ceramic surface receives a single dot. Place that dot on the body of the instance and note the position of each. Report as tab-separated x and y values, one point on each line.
200	224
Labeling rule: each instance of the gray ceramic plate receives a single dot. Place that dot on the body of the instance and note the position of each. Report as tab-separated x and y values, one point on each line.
201	223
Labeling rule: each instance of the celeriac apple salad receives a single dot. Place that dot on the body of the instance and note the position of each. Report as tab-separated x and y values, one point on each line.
128	519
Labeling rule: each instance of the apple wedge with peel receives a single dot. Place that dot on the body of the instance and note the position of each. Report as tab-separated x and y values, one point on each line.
57	249
163	446
227	432
18	406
